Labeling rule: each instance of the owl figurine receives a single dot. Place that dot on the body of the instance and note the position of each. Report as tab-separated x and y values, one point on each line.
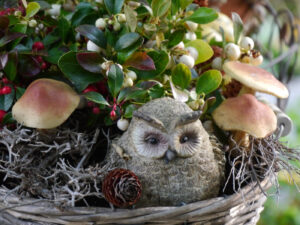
168	149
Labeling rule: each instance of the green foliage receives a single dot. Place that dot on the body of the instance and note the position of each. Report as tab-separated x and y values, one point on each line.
208	81
203	15
181	75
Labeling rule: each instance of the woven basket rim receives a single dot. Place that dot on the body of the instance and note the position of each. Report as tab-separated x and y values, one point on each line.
227	207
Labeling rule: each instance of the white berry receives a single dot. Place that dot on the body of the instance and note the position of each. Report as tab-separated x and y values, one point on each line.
128	82
122	124
100	23
122	18
117	26
91	46
55	10
180	45
232	51
217	63
32	23
193	52
190	36
131	74
187	60
256	61
191	25
247	43
99	1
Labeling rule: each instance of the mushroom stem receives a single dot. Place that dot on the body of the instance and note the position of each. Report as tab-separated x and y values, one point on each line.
82	103
246	90
241	138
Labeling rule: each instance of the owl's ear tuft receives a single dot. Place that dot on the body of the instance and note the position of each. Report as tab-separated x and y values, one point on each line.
188	118
149	119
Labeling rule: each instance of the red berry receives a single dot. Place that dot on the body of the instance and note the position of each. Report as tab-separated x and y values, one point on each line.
96	110
5	80
6	90
44	66
113	115
38	46
89	89
90	104
2	114
39	59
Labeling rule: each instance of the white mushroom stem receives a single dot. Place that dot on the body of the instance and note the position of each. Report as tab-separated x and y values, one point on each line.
246	90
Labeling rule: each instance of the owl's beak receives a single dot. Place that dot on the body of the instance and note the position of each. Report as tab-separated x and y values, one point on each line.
170	155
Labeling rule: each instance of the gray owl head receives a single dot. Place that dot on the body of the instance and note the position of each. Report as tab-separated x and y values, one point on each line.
166	128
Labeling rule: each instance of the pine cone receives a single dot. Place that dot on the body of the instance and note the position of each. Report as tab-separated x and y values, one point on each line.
121	187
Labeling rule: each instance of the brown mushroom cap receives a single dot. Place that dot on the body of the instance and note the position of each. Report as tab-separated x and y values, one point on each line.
256	78
245	113
45	104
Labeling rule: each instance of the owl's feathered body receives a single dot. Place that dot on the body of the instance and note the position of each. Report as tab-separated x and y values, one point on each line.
197	171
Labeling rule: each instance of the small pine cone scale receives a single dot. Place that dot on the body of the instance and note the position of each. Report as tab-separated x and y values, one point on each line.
121	188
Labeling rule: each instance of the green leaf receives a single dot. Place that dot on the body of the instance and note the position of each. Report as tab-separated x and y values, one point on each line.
160	7
140	61
205	52
175	38
7	100
75	73
115	79
32	9
181	75
203	15
10	37
185	3
131	19
157	91
83	10
91	61
238	27
8	119
129	110
63	28
127	40
126	53
28	66
160	59
114	6
19	92
96	97
93	33
53	55
175	7
52	37
208	81
11	67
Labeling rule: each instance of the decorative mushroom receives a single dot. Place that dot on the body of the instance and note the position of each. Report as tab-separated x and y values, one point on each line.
255	79
244	115
45	104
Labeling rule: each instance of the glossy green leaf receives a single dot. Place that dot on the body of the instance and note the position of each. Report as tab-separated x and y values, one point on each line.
208	81
181	75
75	73
131	19
96	97
129	110
130	93
53	55
91	61
8	119
32	9
160	7
238	27
115	79
203	15
157	91
64	28
28	66
160	59
185	3
114	6
19	92
83	10
11	67
126	53
127	40
205	52
10	37
176	37
140	61
7	100
93	33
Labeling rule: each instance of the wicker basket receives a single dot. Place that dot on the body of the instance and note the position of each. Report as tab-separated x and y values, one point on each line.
240	208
